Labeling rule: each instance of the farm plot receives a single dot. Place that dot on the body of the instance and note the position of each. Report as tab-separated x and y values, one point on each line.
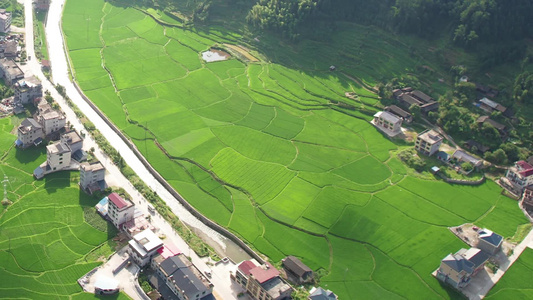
259	146
515	283
45	237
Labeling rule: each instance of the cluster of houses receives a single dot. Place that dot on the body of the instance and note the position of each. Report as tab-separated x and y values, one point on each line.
408	97
390	120
65	149
519	180
265	282
26	89
174	275
459	269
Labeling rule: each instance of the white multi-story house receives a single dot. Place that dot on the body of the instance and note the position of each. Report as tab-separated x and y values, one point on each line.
49	118
92	177
58	156
143	247
27	90
29	133
428	142
120	210
5	21
520	175
388	123
262	282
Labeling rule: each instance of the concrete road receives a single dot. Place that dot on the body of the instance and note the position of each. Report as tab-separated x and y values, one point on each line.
220	277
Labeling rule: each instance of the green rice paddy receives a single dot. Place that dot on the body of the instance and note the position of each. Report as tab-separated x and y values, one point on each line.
515	283
46	241
262	149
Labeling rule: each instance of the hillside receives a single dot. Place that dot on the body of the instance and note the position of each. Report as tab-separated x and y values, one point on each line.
267	144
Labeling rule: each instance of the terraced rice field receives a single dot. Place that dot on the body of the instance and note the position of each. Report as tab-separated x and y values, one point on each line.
260	148
46	242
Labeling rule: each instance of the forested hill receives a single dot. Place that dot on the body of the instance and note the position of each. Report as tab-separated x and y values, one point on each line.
467	21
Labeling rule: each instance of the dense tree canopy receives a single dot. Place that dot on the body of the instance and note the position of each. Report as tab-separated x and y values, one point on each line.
473	21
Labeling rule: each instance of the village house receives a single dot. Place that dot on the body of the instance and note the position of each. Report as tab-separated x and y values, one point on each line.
321	294
9	49
60	155
475	256
408	97
75	141
262	282
428	142
10	71
143	246
487	120
5	21
490	106
400	113
455	270
489	241
119	210
92	177
177	278
459	268
520	175
296	270
463	157
27	90
388	123
51	119
29	133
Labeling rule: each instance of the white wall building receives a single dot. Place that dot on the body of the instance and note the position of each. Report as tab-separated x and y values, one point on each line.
120	210
92	177
50	119
144	246
27	90
428	142
29	133
58	156
388	123
5	21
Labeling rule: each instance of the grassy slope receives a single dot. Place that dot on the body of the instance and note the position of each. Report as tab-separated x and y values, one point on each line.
268	128
45	241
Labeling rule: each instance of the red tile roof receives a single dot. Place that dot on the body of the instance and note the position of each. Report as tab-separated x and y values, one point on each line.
168	250
526	169
246	266
264	273
118	201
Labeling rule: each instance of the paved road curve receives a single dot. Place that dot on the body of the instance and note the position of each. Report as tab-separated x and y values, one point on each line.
59	71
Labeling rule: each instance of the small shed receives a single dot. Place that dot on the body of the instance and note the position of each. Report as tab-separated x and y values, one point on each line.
296	270
435	170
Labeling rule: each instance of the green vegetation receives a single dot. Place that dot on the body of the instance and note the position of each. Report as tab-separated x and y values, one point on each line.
50	231
514	284
41	48
274	151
